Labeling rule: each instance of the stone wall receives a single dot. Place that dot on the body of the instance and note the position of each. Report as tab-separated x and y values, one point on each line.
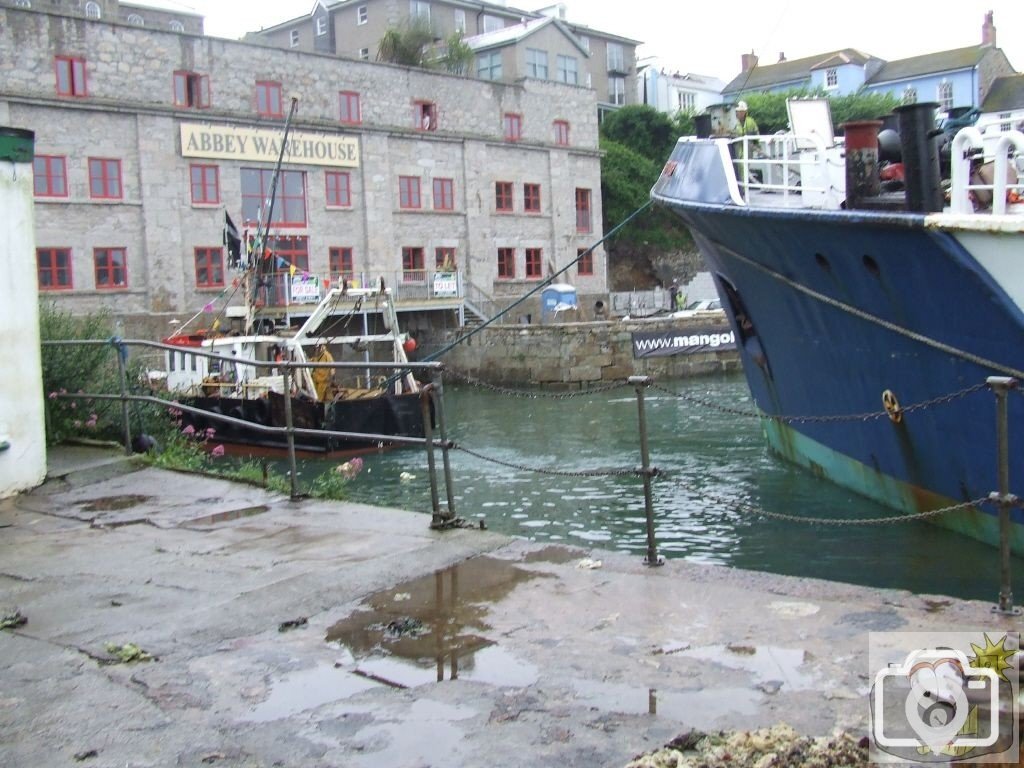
575	355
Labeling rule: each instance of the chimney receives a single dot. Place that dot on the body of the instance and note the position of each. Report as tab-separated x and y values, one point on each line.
748	61
988	31
782	57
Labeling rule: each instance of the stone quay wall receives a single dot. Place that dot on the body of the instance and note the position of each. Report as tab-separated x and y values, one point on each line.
575	355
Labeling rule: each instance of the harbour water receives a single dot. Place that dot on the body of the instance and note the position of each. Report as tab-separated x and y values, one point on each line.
712	461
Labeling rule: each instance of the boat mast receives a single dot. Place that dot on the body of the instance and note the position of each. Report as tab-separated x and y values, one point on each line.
254	274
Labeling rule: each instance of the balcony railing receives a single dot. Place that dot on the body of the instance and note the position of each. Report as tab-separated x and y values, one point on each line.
284	290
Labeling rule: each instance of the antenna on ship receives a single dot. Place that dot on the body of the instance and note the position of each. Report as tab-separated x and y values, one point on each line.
259	251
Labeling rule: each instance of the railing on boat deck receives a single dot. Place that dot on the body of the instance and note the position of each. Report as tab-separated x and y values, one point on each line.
968	185
301	291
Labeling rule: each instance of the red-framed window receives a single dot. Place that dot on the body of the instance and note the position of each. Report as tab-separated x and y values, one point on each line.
413	267
531	198
350	111
268	99
70	73
424	115
53	269
561	132
585	264
339	189
291	251
506	263
503	196
513	126
205	183
50	175
409	192
444	195
444	259
209	267
110	267
534	260
191	90
583	210
105	178
340	263
289	203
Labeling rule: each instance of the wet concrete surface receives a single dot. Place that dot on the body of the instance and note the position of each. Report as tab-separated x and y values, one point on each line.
332	634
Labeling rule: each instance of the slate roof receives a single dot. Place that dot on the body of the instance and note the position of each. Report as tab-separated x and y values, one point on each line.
794	71
930	63
1005	95
517	32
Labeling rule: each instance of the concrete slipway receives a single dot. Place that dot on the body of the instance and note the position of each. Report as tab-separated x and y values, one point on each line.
266	617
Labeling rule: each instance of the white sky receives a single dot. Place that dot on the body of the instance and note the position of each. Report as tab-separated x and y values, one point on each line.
708	37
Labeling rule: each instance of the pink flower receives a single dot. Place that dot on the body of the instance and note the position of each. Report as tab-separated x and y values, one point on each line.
76	423
91	423
52	395
188	430
218	450
74	404
210	432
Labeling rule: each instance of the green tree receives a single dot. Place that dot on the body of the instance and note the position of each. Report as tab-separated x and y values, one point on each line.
643	129
408	44
457	56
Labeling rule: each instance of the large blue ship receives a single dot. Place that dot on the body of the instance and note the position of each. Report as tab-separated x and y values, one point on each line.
871	314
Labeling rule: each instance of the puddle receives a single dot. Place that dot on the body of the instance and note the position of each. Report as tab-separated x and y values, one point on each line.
434	628
764	663
308	689
222	517
698	708
113	503
554	555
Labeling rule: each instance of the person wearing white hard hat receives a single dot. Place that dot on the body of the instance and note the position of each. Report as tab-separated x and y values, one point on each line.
745	124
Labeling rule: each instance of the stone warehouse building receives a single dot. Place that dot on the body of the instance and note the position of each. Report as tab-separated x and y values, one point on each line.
146	138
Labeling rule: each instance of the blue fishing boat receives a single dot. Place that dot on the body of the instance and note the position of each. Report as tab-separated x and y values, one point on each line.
872	300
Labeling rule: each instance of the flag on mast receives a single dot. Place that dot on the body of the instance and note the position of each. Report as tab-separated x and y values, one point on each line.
232	240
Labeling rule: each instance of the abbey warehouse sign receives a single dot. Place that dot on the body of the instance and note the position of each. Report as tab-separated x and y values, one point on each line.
224	142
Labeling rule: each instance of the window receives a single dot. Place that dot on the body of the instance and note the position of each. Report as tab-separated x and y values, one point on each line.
364	54
506	263
408	192
617	90
51	176
585	42
533	263
53	268
561	132
444	259
945	96
289	204
105	178
205	184
209	267
135	20
537	63
339	189
350	110
419	10
616	61
492	23
92	10
460	20
585	261
362	15
111	268
424	115
531	198
293	38
340	263
582	210
909	95
488	66
22	3
565	67
686	101
292	250
444	195
321	26
175	26
268	99
831	77
413	270
503	196
513	126
191	90
70	76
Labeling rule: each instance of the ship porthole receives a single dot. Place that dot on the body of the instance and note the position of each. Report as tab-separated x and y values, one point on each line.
822	262
871	266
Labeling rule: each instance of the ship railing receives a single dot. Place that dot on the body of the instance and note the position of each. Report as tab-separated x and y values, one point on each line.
996	182
299	290
785	169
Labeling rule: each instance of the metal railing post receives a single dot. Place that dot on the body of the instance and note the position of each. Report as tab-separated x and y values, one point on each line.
122	352
289	426
428	433
652	558
1001	385
438	384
